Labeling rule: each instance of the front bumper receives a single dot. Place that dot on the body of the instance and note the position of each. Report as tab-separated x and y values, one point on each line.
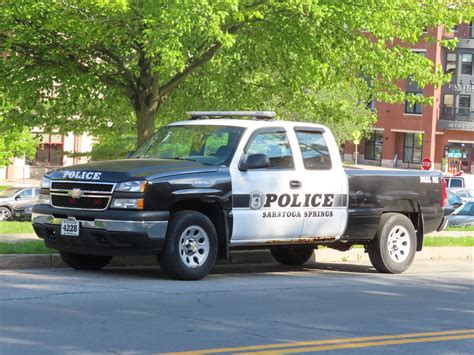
110	233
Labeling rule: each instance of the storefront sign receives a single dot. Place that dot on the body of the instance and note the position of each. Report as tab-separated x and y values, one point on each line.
456	125
461	87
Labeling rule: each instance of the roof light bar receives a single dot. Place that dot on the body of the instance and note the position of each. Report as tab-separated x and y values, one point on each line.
262	115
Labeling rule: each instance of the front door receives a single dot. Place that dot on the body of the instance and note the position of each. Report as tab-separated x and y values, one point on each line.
264	208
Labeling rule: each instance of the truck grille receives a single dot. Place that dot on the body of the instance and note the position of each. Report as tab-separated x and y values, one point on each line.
91	203
92	195
86	187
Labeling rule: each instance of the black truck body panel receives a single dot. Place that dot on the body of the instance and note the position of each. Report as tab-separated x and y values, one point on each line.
373	192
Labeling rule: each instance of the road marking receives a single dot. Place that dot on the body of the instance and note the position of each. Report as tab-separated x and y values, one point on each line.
363	345
314	345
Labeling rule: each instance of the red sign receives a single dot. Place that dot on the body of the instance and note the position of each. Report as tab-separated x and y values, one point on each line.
426	164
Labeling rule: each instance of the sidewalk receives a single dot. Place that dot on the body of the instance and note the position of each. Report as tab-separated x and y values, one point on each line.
20	182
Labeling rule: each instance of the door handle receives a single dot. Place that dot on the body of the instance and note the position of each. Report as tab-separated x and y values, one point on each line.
295	184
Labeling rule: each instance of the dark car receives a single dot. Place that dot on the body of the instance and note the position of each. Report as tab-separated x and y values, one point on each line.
454	202
22	213
463	216
15	197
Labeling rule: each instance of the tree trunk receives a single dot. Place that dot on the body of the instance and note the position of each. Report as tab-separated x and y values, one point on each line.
145	125
146	113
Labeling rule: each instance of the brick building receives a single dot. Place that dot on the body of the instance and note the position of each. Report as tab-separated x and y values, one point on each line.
406	134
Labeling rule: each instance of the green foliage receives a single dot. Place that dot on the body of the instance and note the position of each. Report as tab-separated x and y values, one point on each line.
96	65
113	146
17	143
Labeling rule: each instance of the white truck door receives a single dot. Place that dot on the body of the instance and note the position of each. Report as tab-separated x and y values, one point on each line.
324	184
264	208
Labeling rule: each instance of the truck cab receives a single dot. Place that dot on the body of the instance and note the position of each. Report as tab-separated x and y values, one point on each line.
203	186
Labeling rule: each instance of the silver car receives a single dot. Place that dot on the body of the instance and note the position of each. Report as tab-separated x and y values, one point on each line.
463	216
15	197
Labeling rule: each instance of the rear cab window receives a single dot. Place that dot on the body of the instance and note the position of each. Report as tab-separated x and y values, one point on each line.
314	149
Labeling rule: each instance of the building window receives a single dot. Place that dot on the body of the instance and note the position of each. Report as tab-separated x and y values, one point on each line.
448	103
413	108
50	150
466	63
373	146
450	63
464	104
412	148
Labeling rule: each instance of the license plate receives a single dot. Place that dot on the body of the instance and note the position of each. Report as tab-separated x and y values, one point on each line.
70	228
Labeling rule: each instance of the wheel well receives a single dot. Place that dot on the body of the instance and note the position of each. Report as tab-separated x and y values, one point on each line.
216	214
411	209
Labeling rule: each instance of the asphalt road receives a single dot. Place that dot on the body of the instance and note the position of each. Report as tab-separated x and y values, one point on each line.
267	308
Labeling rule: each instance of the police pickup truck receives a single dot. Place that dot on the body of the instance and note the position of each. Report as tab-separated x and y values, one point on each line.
216	182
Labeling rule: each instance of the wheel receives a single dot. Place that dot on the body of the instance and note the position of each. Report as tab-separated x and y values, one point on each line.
84	262
5	214
393	248
190	249
292	255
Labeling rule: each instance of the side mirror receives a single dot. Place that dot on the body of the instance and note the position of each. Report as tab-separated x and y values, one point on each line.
255	161
18	197
129	154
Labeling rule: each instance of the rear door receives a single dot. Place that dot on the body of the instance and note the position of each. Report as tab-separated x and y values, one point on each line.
324	184
264	200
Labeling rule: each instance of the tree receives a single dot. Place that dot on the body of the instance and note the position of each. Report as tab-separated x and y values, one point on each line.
16	141
94	65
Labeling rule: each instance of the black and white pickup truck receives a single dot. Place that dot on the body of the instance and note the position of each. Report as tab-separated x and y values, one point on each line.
201	187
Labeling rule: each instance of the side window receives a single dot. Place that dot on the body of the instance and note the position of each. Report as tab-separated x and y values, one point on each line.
314	150
275	146
26	193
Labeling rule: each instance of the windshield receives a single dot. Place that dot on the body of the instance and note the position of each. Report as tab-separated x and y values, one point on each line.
8	192
210	145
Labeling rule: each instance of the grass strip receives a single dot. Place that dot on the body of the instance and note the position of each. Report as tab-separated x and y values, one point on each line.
461	229
27	247
448	242
15	227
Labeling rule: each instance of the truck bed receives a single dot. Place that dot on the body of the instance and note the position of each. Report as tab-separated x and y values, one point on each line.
417	194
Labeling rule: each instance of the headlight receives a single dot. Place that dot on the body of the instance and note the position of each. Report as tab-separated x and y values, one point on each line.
127	203
46	183
43	200
132	186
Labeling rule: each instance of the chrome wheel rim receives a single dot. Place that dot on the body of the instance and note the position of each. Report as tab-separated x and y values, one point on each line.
399	244
4	214
194	246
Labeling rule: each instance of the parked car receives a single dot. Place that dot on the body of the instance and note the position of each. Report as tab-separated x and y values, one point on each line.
463	216
14	197
454	202
467	195
22	213
455	182
201	187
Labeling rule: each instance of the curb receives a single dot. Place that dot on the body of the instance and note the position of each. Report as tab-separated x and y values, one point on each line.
42	261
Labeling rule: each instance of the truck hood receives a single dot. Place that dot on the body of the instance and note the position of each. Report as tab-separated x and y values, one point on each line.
129	169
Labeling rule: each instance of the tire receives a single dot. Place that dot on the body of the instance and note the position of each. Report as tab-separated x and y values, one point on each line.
191	245
84	262
394	246
5	213
292	255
